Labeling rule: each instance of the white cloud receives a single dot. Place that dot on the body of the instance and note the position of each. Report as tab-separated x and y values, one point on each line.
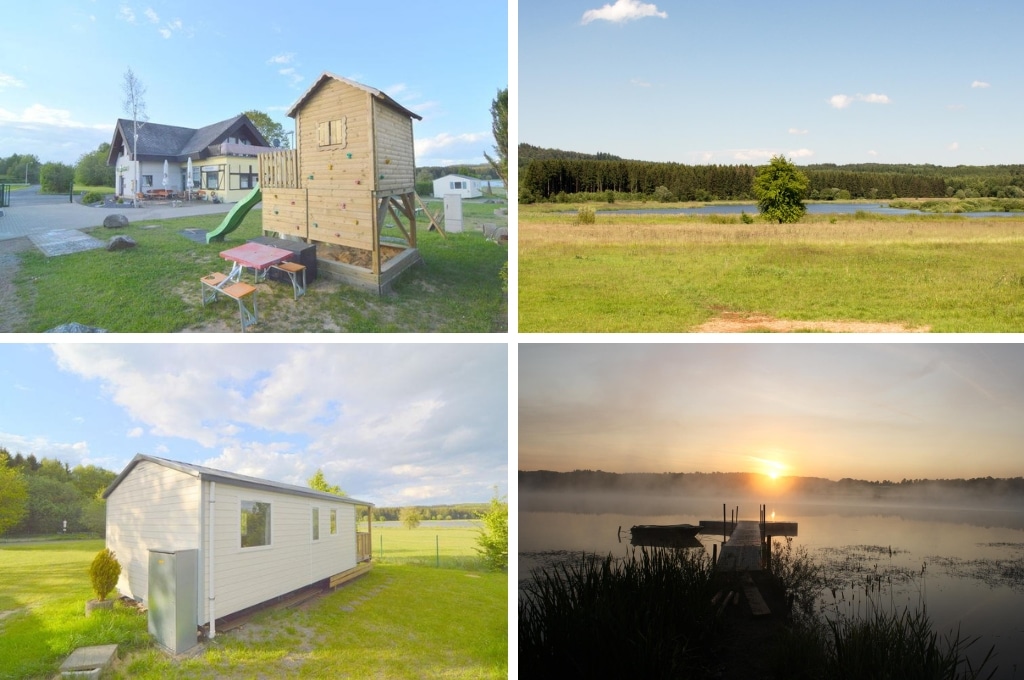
170	28
639	83
842	101
397	88
126	14
801	153
7	81
291	74
431	145
872	152
797	131
284	58
135	433
953	146
753	155
152	15
39	115
623	10
377	413
980	84
873	98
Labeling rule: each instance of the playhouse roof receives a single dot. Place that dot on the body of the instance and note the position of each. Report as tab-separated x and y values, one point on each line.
326	75
209	474
157	141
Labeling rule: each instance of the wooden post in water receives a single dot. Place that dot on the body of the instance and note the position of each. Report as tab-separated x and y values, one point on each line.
714	554
724	525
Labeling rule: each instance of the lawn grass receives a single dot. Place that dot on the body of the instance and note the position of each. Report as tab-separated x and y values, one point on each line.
398	621
45	587
155	287
670	274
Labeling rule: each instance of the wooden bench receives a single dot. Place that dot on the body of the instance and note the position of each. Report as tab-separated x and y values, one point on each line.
215	283
293	269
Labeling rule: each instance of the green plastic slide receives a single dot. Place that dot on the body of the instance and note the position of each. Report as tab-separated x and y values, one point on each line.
235	217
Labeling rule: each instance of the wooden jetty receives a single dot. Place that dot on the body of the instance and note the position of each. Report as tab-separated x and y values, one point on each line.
748	543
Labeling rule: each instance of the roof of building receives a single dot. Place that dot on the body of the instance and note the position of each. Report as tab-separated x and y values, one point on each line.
177	144
475	179
326	75
209	474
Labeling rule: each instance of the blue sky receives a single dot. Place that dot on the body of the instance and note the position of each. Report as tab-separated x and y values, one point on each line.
867	411
409	424
728	81
62	64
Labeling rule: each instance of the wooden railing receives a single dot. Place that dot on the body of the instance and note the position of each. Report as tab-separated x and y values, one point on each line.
364	546
279	169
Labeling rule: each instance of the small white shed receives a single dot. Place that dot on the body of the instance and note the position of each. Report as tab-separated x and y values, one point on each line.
256	539
467	187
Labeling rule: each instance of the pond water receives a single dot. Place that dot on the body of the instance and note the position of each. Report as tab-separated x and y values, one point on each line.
965	565
812	208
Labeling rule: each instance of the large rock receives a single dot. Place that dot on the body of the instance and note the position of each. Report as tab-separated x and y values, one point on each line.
120	242
115	221
75	327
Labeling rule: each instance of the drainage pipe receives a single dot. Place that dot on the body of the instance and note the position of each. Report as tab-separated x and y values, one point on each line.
209	553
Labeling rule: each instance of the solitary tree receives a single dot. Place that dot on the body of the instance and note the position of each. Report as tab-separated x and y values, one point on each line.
410	517
780	189
320	483
499	126
135	106
271	130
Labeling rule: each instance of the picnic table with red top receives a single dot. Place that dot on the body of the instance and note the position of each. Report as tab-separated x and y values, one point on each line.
256	256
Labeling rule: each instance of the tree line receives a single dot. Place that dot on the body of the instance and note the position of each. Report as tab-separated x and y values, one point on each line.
37	496
697	483
547	174
431	512
90	170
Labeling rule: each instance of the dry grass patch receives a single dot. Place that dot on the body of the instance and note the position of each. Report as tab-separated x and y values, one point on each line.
736	322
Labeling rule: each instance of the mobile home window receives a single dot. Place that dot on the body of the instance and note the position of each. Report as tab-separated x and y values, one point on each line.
316	524
334	522
255	524
457	185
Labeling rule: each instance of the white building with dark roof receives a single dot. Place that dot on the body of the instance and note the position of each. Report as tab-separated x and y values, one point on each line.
224	164
256	539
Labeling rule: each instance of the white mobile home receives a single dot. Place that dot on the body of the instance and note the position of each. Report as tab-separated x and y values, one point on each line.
256	539
467	187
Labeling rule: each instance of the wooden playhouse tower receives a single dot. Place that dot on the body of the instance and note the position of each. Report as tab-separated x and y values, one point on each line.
353	167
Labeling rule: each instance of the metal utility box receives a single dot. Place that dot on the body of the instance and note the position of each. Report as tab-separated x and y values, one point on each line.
173	598
305	254
453	213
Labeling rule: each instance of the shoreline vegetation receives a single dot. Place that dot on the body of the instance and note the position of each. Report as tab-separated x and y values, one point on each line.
603	617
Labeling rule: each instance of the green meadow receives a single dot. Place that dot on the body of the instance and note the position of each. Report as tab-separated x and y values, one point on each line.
630	273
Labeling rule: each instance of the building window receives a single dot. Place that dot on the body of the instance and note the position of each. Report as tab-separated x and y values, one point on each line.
457	185
255	524
147	180
334	522
247	181
211	180
333	132
316	524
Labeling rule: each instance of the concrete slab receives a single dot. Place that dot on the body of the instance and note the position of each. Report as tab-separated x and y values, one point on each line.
64	242
89	658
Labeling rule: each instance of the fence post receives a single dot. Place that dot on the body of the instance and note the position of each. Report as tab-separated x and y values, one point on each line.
437	548
381	556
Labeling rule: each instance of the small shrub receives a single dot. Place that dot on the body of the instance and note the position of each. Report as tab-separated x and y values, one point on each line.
745	218
585	215
92	197
104	572
493	539
664	195
609	196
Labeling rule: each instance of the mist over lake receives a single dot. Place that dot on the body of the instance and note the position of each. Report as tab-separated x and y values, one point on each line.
962	560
